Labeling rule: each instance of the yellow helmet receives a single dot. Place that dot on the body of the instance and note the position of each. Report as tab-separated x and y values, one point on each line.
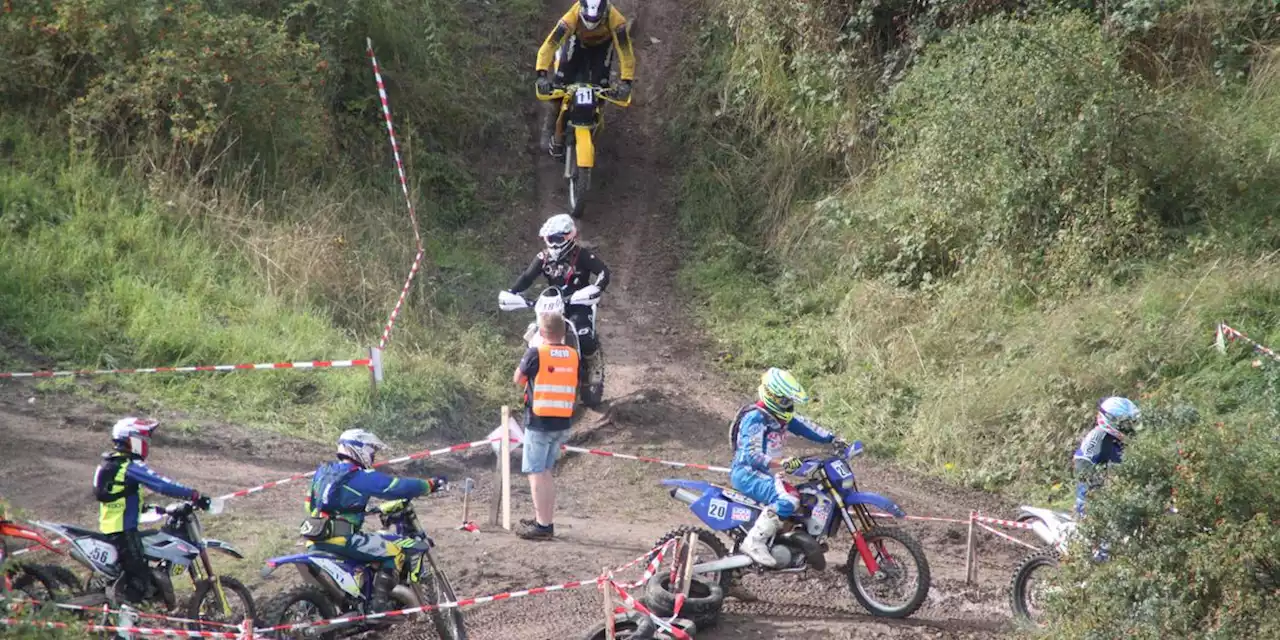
780	392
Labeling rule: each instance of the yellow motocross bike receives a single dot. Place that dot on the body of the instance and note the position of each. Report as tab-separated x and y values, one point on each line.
580	105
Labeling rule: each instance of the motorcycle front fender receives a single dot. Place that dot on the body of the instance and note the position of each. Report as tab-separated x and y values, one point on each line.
220	546
874	500
584	147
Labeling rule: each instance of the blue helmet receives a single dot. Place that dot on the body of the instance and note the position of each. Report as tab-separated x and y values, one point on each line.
1119	417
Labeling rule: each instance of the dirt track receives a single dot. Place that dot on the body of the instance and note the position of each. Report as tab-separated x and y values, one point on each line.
662	400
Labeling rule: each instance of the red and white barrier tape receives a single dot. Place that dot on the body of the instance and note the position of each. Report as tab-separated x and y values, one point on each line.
651	569
465	602
395	147
138	631
1007	537
1227	333
105	610
669	463
1010	524
309	364
404	292
413	456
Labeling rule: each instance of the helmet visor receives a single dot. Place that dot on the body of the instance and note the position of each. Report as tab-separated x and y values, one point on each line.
556	239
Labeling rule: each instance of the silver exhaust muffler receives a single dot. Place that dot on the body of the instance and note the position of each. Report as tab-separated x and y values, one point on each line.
727	563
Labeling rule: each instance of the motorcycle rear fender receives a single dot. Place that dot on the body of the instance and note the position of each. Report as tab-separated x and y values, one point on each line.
326	570
584	147
875	500
218	545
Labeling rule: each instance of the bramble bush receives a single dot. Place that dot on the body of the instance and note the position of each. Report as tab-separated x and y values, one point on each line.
1210	570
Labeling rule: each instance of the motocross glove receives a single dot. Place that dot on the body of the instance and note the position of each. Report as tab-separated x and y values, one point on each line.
438	483
543	84
201	502
790	465
623	91
840	444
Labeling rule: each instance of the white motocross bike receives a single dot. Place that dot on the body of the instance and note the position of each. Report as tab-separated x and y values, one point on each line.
1033	580
591	372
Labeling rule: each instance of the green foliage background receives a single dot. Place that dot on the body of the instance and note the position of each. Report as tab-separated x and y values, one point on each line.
962	224
210	182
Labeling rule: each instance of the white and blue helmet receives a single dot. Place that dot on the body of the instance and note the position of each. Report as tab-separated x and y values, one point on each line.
359	446
1119	417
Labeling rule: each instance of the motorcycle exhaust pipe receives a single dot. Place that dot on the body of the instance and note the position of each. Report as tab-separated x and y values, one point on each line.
727	563
684	495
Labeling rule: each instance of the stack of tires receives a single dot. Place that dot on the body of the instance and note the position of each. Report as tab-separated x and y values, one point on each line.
700	609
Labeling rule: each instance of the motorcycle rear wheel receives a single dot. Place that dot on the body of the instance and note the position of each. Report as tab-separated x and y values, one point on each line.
313	604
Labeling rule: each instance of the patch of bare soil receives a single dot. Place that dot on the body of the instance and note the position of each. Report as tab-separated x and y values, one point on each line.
662	400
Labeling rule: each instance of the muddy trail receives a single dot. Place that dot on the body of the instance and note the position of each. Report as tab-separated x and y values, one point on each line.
663	399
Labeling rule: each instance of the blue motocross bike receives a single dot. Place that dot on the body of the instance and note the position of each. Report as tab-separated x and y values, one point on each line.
886	569
336	585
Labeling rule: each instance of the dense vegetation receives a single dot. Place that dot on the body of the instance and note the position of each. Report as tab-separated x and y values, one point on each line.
211	183
963	223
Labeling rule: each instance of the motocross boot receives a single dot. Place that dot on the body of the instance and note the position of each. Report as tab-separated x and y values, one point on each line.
383	583
756	544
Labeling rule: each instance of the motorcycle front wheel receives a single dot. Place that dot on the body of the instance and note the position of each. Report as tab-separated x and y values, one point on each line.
579	182
206	605
434	588
1029	585
892	591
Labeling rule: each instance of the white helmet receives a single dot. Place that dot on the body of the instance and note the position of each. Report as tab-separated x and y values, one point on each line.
550	301
359	446
133	435
560	234
1119	417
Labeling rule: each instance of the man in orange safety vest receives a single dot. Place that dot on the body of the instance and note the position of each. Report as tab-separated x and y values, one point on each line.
549	375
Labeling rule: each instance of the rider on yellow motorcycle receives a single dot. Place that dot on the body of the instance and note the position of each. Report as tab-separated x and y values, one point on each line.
586	37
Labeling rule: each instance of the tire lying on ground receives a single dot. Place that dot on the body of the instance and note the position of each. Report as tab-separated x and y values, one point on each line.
702	605
635	626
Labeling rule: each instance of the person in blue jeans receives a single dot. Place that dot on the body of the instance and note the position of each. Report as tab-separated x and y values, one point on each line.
1118	418
548	373
758	432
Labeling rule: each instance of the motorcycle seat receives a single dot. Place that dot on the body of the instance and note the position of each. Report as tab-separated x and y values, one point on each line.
81	532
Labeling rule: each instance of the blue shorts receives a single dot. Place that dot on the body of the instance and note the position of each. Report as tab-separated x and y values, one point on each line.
541	449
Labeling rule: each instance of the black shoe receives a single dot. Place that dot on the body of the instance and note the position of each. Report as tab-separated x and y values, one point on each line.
535	531
528	522
556	150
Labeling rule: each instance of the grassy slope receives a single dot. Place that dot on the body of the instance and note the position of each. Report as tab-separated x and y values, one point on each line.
103	267
965	376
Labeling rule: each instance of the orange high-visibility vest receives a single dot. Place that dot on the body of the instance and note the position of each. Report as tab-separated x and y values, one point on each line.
555	387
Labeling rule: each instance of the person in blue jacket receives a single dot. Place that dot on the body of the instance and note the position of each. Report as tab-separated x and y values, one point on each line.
338	496
758	432
117	486
1118	418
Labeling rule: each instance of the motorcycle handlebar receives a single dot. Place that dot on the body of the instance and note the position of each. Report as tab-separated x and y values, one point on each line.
560	93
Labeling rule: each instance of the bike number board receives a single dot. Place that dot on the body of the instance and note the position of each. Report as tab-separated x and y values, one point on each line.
103	553
584	97
718	509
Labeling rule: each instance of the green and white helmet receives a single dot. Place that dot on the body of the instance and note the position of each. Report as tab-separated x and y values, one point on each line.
780	392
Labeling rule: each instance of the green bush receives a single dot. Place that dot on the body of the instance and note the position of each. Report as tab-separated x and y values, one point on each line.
1210	570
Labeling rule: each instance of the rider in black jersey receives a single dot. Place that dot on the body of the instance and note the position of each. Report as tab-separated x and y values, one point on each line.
567	265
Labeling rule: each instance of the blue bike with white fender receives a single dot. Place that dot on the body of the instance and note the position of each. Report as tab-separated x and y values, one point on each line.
336	585
886	569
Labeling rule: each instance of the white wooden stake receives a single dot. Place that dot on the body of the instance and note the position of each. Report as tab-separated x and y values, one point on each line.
607	588
970	559
686	578
506	467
